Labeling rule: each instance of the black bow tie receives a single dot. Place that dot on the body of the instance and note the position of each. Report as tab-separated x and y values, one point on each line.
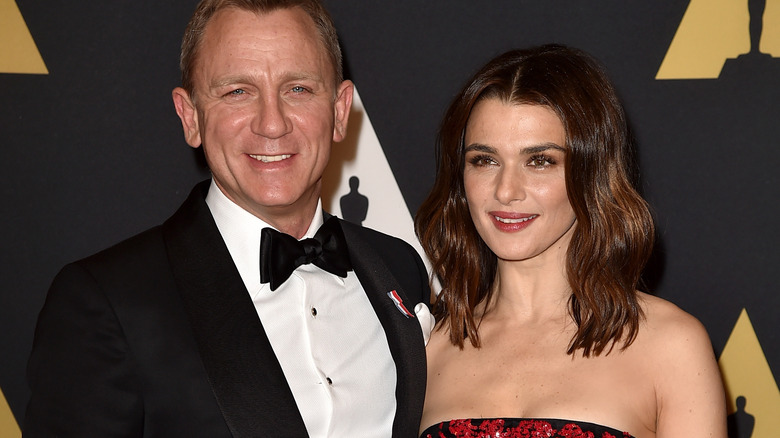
281	253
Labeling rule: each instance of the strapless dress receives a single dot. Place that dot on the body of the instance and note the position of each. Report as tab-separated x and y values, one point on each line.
520	428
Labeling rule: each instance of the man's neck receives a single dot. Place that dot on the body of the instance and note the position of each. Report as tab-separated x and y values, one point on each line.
294	219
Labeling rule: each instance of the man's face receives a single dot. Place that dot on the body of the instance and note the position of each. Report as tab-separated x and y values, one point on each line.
265	108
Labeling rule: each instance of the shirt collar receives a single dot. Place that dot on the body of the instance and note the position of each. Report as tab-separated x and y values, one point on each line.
241	231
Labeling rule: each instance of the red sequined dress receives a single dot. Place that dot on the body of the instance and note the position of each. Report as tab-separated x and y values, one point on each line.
520	428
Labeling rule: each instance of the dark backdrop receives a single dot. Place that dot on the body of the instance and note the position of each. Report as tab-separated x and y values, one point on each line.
93	152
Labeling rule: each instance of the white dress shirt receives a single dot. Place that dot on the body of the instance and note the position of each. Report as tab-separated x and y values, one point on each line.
326	336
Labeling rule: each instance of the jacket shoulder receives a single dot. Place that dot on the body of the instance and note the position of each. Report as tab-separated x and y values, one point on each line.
140	253
376	238
398	255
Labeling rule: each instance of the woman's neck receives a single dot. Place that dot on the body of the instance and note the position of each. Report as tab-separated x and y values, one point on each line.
532	289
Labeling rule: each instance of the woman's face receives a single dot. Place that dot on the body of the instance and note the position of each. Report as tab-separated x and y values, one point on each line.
514	179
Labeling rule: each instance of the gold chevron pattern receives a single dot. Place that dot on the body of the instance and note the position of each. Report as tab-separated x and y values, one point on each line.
712	31
18	52
746	375
8	426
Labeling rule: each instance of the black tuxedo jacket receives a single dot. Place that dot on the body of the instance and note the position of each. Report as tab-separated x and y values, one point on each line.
158	337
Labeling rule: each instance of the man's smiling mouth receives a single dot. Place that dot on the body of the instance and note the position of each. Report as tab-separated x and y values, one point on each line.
270	158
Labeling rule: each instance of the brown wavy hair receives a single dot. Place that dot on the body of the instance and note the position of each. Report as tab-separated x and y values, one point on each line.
206	9
614	233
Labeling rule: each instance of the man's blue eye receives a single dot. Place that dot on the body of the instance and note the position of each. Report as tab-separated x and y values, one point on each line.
298	89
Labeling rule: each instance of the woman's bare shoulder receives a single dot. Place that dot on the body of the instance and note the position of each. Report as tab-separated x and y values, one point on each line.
666	323
686	377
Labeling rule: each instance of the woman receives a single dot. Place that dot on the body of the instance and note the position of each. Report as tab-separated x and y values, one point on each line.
539	239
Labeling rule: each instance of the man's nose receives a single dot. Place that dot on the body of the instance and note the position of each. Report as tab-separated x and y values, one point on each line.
271	119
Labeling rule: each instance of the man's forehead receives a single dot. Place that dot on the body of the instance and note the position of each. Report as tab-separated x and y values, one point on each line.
284	27
289	20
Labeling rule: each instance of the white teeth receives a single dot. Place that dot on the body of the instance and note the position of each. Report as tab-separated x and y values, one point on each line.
270	158
513	221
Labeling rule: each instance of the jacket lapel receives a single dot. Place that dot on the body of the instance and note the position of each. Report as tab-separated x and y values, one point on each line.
403	332
243	371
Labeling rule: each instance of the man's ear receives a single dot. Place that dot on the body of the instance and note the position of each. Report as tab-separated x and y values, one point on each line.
342	107
188	114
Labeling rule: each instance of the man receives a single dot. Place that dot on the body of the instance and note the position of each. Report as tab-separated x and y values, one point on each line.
176	332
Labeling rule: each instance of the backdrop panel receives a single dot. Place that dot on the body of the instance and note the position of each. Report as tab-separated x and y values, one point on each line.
93	151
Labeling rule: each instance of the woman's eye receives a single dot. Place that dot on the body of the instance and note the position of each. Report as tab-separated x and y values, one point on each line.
481	160
541	161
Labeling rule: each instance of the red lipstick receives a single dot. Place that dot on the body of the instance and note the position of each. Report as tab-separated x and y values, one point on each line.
510	222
